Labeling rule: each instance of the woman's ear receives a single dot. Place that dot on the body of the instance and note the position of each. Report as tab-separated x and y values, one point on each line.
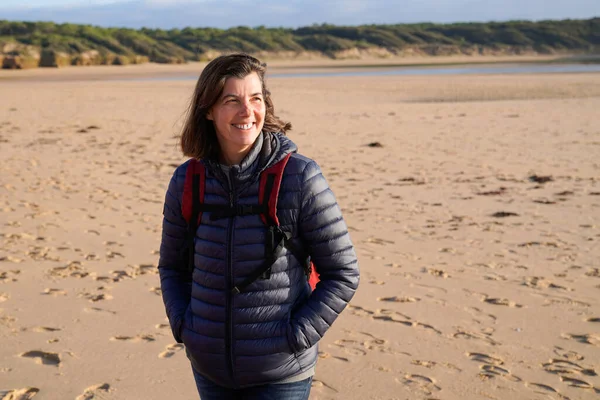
209	115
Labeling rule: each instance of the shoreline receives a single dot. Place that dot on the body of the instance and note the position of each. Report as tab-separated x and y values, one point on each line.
153	70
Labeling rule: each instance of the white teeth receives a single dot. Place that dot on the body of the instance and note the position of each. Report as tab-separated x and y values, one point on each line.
247	126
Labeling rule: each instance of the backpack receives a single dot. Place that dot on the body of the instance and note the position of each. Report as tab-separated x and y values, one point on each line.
192	207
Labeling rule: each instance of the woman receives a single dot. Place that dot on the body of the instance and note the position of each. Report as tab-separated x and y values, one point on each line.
259	342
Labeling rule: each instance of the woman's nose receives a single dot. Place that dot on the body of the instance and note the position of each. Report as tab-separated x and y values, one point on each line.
246	108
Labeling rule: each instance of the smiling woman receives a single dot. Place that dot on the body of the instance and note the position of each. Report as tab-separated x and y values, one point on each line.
238	117
245	222
231	90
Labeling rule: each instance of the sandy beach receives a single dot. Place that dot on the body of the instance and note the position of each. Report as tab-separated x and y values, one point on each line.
473	203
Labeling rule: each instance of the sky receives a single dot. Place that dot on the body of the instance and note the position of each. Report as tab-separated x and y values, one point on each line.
168	14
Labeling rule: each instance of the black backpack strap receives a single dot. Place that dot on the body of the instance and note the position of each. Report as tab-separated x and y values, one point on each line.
301	255
219	212
276	240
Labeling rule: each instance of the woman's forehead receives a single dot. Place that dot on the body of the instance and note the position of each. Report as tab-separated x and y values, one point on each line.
249	83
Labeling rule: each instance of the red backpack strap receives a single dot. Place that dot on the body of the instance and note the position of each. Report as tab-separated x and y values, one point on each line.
313	278
194	176
193	198
268	192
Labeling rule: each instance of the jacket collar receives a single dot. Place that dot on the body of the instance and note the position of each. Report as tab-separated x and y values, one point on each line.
268	149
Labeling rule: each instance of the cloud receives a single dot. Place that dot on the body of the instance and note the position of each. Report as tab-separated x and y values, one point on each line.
295	13
166	3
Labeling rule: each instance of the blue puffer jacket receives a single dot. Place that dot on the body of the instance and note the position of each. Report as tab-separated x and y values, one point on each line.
270	331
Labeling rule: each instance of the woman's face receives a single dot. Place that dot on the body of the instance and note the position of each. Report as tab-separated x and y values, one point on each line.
238	116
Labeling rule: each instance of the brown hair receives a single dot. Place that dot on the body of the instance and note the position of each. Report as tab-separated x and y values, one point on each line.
198	137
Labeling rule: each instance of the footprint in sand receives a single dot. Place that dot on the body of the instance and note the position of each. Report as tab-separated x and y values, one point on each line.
360	311
538	282
143	269
558	366
486	359
98	309
322	386
544	389
475	336
568	354
422	363
491	367
592	320
379	241
117	276
438	273
501	302
419	382
375	343
350	347
578	383
594	273
162	326
391	316
54	292
44	329
156	290
394	318
431	288
7	320
393	265
102	278
360	343
134	271
95	297
396	299
91	256
477	313
9	276
42	357
588	338
4	297
73	269
489	371
494	277
18	394
171	350
325	355
94	392
113	254
137	338
553	299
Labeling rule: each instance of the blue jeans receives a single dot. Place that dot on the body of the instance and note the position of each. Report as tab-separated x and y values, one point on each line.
285	391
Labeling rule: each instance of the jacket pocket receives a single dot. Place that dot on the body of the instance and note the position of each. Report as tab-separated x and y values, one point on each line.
290	332
183	323
290	337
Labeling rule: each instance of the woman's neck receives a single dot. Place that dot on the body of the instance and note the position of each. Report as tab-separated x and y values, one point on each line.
233	158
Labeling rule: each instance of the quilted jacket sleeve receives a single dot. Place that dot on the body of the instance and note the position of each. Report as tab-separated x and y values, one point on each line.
325	234
176	292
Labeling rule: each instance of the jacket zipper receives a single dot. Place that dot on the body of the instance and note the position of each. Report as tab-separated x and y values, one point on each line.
229	296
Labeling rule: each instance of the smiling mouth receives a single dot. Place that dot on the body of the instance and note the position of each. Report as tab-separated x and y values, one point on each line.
244	127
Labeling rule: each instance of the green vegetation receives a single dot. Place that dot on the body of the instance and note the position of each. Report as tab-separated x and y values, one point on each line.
85	44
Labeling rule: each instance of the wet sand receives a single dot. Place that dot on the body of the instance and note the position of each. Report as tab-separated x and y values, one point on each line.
473	202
